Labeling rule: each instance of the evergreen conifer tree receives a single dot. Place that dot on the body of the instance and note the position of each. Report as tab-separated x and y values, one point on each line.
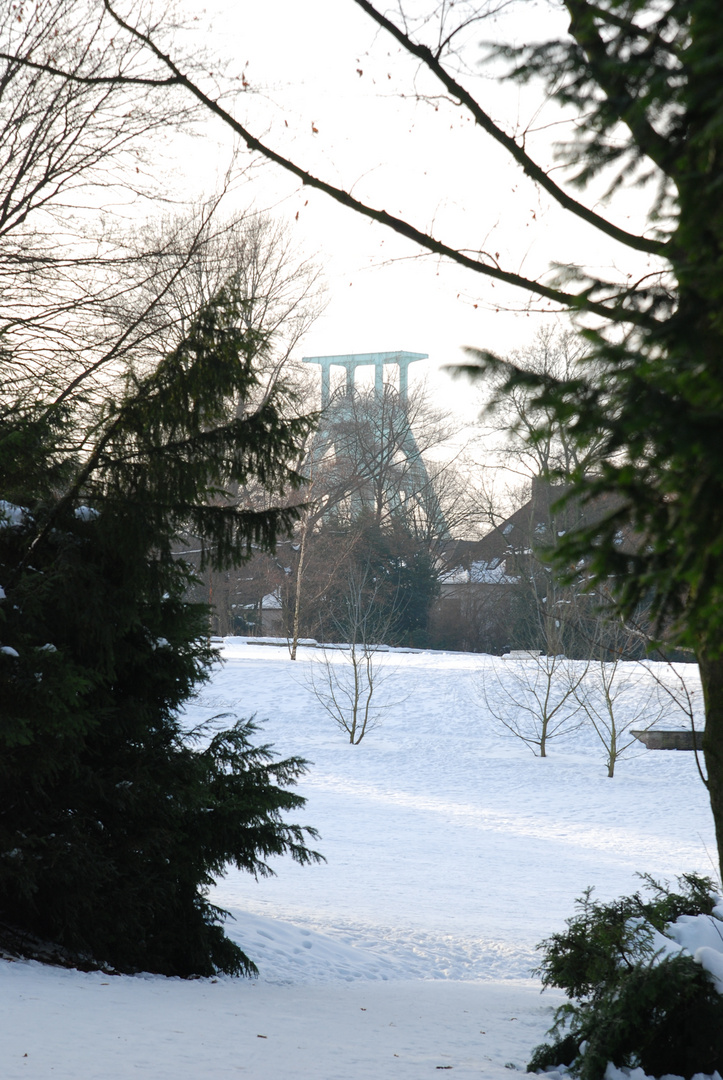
114	818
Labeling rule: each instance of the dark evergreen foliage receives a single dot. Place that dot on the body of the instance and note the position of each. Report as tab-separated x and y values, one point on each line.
649	393
650	397
115	819
407	576
395	579
626	1004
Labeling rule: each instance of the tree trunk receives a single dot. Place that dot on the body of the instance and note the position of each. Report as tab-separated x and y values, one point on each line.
543	738
711	677
297	597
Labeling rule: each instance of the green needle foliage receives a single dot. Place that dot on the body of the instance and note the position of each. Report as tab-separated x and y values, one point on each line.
649	392
114	818
627	1005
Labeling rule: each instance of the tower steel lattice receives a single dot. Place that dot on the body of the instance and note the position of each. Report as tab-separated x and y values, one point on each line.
412	481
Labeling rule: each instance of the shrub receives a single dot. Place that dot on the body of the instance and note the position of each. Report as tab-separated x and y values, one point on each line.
627	1004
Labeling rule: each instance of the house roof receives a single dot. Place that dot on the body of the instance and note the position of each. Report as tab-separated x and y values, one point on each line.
518	534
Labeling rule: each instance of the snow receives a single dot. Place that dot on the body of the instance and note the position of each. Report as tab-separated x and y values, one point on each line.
86	513
451	852
481	573
11	515
702	936
491	573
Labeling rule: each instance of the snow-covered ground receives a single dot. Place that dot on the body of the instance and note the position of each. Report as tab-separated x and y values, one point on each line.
451	852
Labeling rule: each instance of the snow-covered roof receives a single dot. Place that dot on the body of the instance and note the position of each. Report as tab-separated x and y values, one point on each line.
491	573
481	572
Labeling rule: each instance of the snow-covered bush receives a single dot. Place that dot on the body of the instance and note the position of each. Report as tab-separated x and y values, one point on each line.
643	978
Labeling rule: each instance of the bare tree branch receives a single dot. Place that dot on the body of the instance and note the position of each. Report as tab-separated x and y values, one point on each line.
619	307
517	152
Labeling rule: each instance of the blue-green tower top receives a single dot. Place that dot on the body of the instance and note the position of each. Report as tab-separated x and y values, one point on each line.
351	361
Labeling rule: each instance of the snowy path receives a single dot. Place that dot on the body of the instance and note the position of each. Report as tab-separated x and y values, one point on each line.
88	1027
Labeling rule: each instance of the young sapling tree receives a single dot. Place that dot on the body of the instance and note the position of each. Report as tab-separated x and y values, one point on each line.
347	682
617	700
536	701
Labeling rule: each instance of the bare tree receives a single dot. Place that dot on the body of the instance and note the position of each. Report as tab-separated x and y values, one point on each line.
74	156
616	699
251	256
536	442
347	681
318	565
534	699
315	588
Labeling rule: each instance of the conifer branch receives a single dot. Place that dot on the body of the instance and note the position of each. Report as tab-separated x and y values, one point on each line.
611	79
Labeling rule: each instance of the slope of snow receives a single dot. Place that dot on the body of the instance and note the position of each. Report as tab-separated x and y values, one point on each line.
451	852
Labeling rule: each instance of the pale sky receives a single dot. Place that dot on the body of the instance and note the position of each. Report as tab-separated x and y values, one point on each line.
329	90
